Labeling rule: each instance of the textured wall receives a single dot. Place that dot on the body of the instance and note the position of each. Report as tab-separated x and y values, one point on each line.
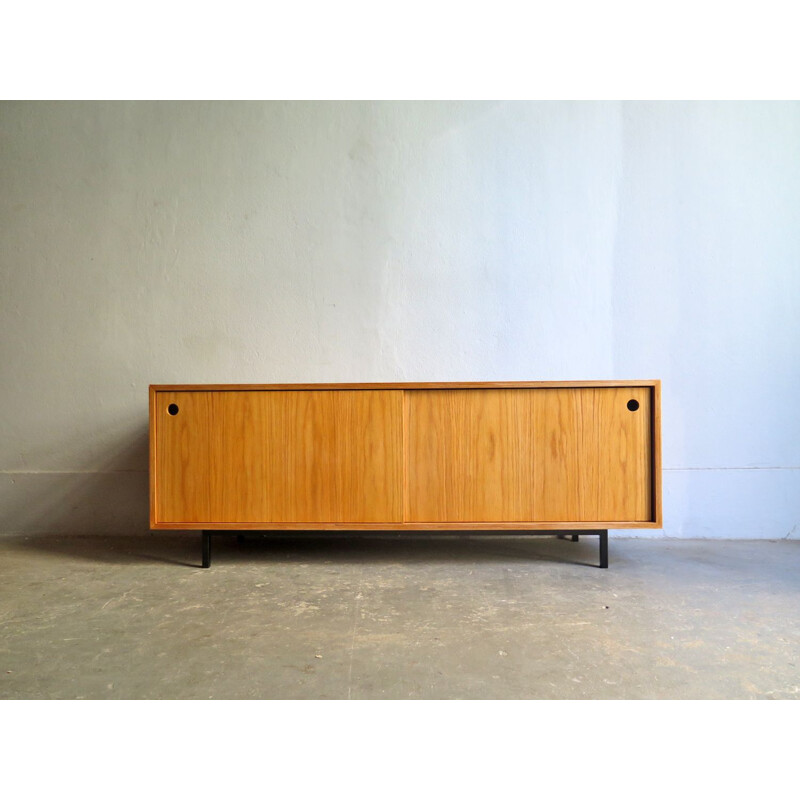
262	242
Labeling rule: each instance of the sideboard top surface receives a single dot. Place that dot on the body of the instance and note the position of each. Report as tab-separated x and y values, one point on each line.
256	387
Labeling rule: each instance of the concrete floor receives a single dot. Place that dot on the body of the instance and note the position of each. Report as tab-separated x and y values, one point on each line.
391	617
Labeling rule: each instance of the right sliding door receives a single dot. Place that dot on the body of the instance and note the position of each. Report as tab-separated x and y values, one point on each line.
528	455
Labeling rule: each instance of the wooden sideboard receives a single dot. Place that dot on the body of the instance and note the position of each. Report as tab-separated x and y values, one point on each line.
523	456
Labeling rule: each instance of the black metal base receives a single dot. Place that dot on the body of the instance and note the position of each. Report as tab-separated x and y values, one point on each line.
206	549
602	535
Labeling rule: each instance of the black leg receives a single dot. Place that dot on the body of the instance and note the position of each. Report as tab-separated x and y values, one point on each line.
603	549
573	537
206	549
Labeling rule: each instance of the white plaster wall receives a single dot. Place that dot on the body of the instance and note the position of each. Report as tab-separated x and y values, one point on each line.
264	242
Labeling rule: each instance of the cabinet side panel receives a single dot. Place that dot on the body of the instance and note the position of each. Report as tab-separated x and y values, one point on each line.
656	478
280	456
151	468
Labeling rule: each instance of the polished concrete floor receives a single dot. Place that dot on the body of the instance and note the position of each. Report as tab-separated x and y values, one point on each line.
398	617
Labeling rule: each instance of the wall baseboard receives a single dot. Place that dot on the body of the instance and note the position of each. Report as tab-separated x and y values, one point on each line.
74	502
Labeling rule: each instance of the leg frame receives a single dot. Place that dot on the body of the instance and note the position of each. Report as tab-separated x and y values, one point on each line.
206	549
603	549
602	535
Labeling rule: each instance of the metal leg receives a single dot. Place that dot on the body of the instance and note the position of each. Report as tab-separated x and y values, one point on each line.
573	537
206	549
603	549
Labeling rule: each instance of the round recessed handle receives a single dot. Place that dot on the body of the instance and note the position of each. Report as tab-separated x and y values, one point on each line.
633	405
172	409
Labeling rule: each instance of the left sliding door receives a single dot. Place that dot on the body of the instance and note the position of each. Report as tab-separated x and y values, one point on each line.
255	456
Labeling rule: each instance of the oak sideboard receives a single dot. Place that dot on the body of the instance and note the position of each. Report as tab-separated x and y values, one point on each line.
534	457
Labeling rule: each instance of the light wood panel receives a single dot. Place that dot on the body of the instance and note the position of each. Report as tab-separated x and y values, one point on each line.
278	457
295	387
469	455
484	527
592	455
367	456
536	455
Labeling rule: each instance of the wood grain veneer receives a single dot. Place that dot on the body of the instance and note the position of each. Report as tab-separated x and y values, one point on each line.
560	455
540	455
324	456
277	387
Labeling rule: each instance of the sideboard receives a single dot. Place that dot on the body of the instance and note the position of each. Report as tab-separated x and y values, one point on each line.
534	457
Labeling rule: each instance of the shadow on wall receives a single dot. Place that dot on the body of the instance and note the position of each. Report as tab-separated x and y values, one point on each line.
107	501
100	516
